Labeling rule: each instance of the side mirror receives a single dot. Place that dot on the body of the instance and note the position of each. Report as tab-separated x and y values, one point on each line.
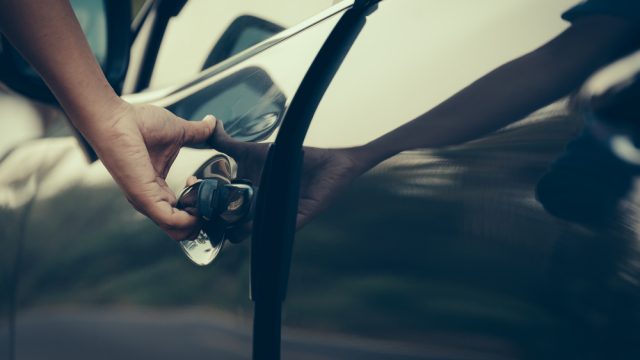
244	32
107	26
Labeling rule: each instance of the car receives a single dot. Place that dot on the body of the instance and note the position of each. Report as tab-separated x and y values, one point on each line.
433	254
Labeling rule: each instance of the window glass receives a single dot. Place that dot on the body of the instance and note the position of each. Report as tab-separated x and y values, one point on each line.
93	19
249	37
91	15
248	102
251	97
194	32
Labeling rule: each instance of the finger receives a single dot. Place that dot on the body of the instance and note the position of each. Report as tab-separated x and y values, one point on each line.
220	134
220	129
167	165
301	221
180	235
196	132
178	224
182	226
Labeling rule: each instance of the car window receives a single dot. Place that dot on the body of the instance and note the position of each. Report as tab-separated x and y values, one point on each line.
93	19
248	102
251	97
249	37
194	32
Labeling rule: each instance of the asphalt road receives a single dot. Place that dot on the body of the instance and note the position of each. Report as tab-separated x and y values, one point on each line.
198	334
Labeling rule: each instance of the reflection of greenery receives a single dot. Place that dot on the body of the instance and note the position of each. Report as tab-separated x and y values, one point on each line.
453	241
107	257
401	266
445	242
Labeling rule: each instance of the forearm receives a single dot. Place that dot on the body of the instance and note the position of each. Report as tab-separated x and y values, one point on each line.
512	91
137	144
49	36
499	98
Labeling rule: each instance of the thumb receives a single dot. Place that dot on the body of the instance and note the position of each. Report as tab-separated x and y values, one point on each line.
196	132
220	140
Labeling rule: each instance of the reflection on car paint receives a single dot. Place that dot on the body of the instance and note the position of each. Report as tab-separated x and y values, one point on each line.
433	254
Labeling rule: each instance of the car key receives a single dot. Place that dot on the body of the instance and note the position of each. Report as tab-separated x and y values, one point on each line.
220	203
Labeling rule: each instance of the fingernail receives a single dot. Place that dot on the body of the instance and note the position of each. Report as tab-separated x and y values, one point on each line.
209	118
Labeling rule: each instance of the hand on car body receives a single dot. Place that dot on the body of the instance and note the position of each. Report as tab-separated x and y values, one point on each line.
139	149
325	173
137	143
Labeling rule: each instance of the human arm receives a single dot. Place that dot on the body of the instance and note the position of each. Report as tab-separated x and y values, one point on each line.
137	144
499	98
503	96
513	90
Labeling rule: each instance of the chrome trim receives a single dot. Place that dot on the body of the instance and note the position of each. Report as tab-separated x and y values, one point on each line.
200	81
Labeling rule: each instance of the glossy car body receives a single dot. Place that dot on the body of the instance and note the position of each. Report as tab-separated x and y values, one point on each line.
433	254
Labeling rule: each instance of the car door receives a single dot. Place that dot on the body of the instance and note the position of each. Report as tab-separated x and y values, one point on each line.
98	280
200	33
446	253
433	254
